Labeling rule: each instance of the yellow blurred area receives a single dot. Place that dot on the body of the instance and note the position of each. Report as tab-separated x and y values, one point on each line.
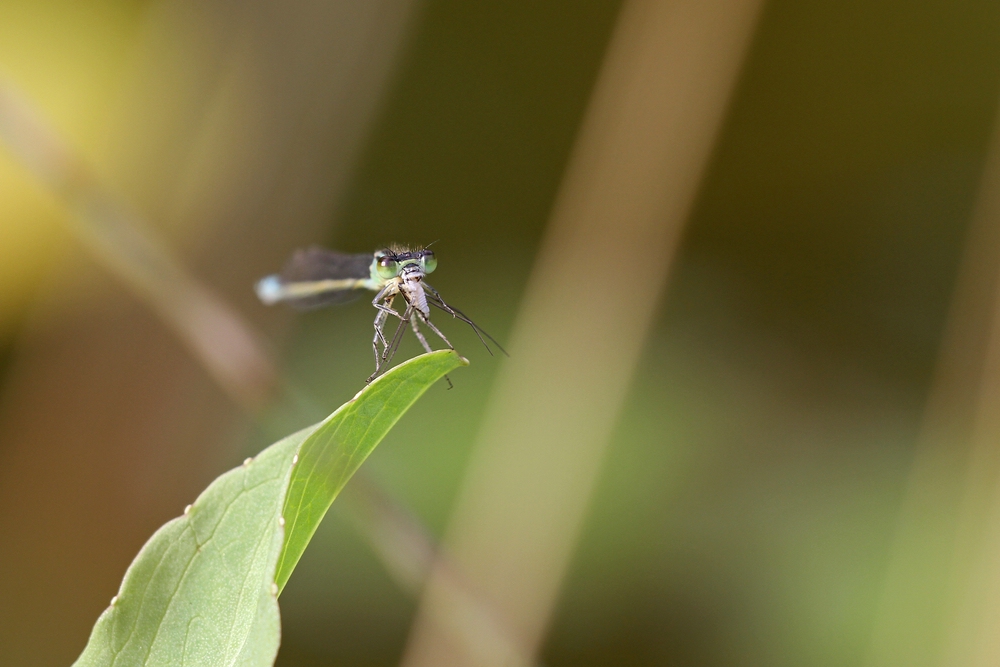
69	58
31	227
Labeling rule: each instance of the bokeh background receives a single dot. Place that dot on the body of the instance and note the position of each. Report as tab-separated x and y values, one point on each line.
803	469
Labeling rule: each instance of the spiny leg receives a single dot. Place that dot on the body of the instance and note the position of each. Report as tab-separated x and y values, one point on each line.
423	341
398	335
380	318
380	359
390	350
420	335
426	320
388	294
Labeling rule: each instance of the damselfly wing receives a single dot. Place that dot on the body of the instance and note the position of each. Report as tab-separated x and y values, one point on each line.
316	277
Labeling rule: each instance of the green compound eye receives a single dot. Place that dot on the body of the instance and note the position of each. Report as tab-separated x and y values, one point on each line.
386	267
429	261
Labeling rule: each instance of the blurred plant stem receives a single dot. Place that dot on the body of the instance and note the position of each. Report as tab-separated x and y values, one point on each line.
121	241
940	603
631	181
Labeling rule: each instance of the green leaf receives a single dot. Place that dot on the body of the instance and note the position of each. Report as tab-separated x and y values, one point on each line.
202	590
340	445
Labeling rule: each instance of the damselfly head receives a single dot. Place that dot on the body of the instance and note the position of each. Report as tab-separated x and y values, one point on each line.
393	262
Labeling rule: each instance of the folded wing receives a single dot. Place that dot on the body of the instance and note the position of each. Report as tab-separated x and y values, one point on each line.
316	277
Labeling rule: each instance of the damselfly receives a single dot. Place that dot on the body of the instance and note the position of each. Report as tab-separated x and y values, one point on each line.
316	277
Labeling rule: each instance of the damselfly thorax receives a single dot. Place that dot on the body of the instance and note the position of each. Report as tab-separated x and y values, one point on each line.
315	277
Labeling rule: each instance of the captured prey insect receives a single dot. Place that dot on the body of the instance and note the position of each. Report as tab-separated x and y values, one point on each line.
316	277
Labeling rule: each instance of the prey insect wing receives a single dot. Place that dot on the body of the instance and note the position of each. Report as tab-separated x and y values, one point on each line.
316	277
435	300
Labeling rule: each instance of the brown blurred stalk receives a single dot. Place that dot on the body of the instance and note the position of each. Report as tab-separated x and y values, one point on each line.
940	602
643	147
122	242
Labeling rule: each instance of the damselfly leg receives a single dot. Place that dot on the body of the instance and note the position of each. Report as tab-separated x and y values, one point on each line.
426	320
382	361
411	315
420	335
423	341
388	295
379	336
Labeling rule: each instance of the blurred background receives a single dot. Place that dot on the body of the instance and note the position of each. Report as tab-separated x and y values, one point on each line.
801	462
